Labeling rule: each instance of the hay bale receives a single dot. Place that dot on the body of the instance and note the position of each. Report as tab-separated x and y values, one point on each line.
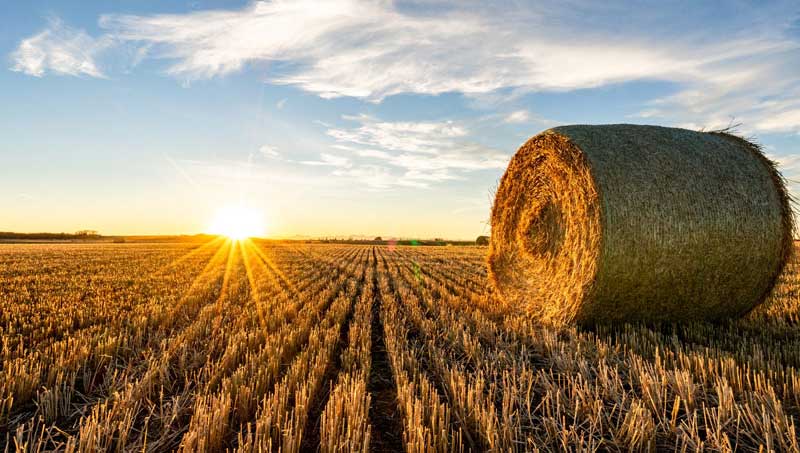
622	223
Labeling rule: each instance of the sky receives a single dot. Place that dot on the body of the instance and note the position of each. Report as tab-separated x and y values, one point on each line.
350	117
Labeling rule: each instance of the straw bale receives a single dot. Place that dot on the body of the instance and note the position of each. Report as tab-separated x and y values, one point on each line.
624	222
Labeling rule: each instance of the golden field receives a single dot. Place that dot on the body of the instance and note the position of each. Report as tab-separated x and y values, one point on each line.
264	346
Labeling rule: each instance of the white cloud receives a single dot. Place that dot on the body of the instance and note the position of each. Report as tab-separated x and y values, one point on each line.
370	49
414	154
761	90
60	49
418	137
519	116
374	49
269	151
738	62
788	161
785	121
378	177
328	160
788	164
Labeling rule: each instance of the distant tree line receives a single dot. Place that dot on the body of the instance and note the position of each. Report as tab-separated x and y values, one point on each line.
378	240
82	234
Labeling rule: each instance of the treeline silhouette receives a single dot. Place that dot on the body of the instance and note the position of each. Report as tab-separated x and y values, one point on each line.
86	234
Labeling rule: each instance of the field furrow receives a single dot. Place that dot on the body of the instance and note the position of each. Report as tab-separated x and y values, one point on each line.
254	346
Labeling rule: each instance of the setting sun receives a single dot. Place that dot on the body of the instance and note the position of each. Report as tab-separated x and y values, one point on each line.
237	222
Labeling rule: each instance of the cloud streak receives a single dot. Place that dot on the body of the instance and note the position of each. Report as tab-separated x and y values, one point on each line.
375	49
742	65
60	49
370	49
519	116
269	152
328	160
412	154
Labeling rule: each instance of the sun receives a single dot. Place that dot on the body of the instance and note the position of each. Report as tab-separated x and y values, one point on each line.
237	222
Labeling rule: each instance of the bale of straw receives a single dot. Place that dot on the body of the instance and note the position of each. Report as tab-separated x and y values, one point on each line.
617	223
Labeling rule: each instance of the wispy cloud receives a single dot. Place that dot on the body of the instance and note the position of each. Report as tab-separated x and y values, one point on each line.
722	64
519	116
378	177
372	49
328	160
417	137
789	165
269	151
759	88
60	49
788	162
785	121
414	154
214	174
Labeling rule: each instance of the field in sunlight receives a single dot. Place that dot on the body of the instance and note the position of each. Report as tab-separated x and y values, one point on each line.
255	346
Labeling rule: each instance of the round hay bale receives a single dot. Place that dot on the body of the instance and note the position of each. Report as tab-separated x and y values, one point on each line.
620	223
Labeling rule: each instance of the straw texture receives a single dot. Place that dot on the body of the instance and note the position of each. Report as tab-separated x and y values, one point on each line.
624	222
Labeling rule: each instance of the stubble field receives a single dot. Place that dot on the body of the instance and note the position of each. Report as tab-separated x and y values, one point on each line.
257	346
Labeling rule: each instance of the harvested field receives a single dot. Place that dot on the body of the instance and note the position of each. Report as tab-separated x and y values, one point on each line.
259	346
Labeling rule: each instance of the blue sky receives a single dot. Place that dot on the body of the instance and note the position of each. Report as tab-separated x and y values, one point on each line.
354	117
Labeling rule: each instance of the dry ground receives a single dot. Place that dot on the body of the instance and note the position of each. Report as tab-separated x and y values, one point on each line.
257	346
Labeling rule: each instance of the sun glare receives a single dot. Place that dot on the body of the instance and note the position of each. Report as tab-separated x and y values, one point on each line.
237	222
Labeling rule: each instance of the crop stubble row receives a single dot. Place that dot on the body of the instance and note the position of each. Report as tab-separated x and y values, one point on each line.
259	346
